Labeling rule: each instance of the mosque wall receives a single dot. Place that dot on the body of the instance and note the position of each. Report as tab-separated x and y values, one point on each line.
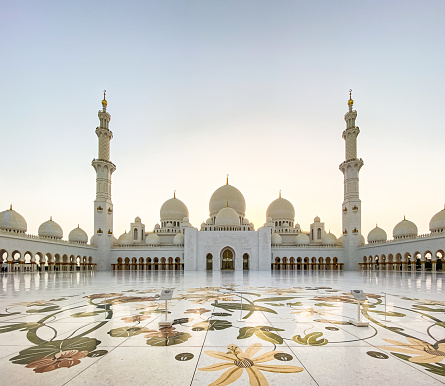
32	249
428	247
243	247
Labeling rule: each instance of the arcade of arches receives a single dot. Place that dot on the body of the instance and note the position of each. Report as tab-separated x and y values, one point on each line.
148	264
426	261
306	263
30	262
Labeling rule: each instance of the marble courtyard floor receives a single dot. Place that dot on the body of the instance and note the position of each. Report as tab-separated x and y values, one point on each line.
252	328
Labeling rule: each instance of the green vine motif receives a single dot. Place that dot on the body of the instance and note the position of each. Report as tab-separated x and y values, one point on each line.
436	368
311	339
48	355
263	332
397	330
249	306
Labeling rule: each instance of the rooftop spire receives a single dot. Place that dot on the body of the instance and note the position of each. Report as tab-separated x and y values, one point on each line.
350	101
10	207
104	102
174	194
279	195
227	180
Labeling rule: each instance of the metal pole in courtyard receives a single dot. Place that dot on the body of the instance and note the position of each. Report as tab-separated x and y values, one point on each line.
241	311
385	307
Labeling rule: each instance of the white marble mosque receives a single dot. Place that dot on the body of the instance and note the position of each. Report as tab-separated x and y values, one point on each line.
227	240
250	306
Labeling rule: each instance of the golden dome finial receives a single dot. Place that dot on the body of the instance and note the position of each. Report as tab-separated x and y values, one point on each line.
78	226
50	218
404	218
350	101
227	180
227	204
279	195
174	194
10	207
104	101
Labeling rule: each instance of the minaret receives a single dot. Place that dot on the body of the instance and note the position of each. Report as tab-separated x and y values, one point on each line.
351	208
103	207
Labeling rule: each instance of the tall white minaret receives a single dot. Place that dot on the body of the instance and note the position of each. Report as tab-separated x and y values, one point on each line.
351	208
103	207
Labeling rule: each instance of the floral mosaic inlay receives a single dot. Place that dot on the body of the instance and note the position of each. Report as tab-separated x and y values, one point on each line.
280	318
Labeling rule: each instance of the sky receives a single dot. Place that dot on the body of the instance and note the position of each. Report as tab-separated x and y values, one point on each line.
200	89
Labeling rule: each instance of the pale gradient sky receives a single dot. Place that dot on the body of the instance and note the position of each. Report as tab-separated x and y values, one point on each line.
199	89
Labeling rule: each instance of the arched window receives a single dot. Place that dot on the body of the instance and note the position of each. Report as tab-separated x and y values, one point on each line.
135	237
319	233
312	234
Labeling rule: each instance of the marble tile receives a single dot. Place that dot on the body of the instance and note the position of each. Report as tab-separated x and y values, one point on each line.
353	366
303	303
271	375
141	366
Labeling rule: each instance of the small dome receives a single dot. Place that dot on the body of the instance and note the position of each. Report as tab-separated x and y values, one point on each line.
50	229
302	239
93	241
185	219
10	220
157	226
316	219
203	225
227	217
78	235
125	239
404	229
209	221
329	239
281	209
340	241
169	225
178	239
437	222
377	235
137	219
245	221
153	239
173	209
276	239
251	225
227	194
297	226
115	242
269	219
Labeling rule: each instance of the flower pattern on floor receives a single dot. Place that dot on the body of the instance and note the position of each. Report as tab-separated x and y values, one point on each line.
279	317
237	361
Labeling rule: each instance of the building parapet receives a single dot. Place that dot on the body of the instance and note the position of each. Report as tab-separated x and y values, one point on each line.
25	236
405	240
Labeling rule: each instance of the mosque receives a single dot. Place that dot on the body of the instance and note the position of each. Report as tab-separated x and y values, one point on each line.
227	240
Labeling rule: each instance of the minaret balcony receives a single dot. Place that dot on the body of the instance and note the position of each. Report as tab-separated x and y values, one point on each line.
103	162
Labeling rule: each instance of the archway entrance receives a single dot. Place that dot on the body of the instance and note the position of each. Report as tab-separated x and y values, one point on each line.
227	260
209	262
246	262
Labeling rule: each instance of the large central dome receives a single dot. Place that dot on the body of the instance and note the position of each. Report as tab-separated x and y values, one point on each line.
227	195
